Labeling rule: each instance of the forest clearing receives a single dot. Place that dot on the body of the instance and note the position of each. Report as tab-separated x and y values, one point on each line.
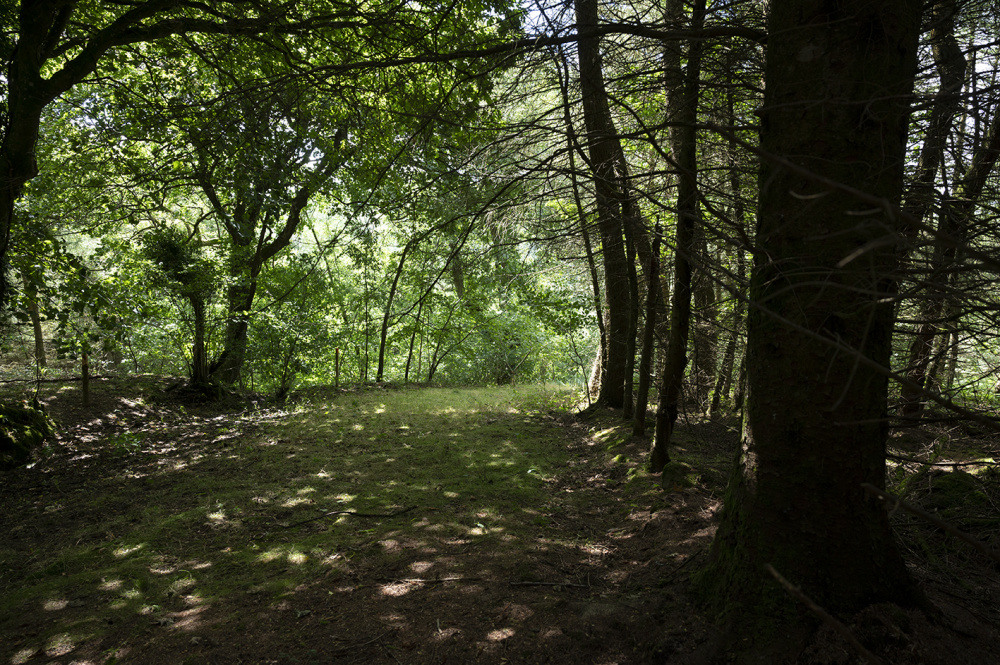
493	525
446	331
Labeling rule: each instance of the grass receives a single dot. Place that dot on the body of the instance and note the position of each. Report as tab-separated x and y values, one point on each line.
174	517
488	525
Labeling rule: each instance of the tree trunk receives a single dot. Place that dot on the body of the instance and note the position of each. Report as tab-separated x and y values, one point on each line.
821	319
725	375
651	268
954	222
602	142
628	394
409	356
705	331
31	294
17	152
725	380
199	357
228	367
951	66
682	109
384	333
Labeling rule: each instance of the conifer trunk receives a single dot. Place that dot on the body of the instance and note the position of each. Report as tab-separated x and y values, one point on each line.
821	315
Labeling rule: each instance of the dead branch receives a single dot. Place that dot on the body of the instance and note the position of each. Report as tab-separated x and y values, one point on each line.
569	584
349	512
936	521
843	630
437	580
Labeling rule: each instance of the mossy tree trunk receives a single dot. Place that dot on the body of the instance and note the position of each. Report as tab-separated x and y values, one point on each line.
199	356
834	124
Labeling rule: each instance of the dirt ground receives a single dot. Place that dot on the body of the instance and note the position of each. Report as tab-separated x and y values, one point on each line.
598	574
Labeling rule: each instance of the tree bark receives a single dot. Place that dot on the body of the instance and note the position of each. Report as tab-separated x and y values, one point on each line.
951	66
603	145
821	319
31	293
199	356
651	268
682	94
599	376
228	367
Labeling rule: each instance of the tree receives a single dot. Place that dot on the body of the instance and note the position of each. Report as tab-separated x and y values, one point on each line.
683	109
52	46
189	275
821	319
605	160
258	164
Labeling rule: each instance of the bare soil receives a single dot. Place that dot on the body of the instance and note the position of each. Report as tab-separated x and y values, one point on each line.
596	572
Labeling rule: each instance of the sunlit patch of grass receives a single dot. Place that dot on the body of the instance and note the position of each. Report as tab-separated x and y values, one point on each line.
270	555
465	462
125	550
182	585
60	645
110	585
23	656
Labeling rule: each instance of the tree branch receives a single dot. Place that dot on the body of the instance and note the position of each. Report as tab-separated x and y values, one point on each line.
936	521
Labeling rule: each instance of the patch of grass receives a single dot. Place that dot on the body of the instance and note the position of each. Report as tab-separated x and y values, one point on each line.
151	538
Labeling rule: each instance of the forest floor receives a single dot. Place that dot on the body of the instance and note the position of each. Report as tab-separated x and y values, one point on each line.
420	526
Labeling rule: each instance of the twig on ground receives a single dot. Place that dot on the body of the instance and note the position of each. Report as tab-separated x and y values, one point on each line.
678	569
825	616
903	458
439	580
936	521
569	584
361	644
349	512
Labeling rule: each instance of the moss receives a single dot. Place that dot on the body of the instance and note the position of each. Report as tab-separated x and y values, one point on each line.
757	614
955	492
677	476
22	429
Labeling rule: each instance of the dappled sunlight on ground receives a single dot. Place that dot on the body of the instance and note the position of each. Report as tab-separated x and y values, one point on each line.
496	528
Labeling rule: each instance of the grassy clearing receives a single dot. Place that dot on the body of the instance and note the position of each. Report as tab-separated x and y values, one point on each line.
487	525
166	522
